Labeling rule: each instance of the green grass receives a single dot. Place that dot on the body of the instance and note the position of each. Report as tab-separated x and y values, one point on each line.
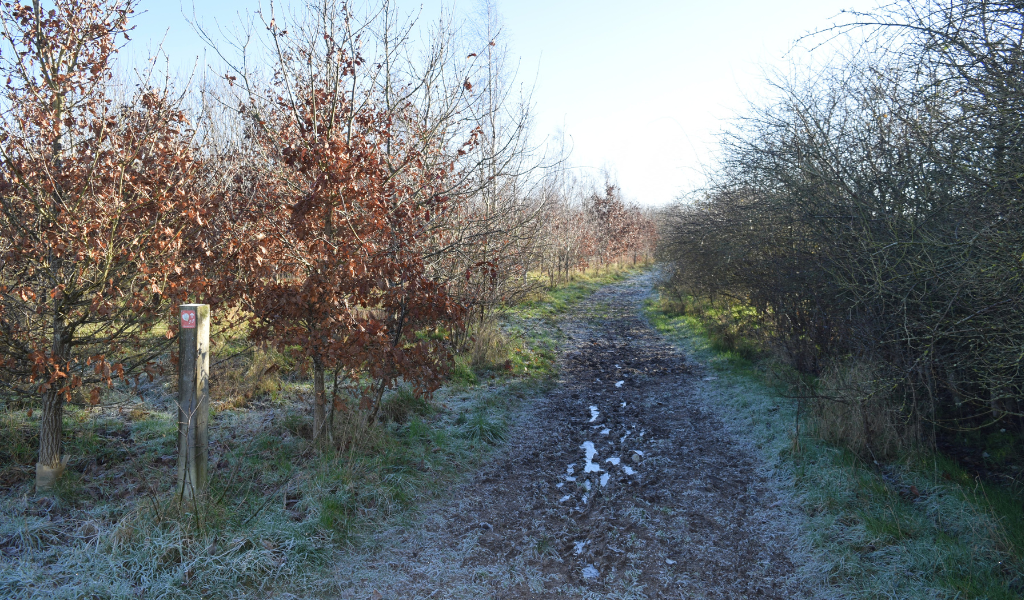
480	426
550	302
918	527
719	350
462	373
729	329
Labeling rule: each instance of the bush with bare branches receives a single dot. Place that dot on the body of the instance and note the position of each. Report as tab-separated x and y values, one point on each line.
871	215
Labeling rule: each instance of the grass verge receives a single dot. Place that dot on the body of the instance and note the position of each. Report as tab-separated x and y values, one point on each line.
278	509
916	527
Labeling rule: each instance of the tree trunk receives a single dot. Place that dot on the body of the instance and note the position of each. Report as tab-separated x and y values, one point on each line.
319	400
378	397
51	427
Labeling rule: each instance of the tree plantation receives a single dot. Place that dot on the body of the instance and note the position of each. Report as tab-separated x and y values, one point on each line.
333	196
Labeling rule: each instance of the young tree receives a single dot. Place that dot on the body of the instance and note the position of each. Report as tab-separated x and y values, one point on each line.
611	223
497	221
95	192
330	220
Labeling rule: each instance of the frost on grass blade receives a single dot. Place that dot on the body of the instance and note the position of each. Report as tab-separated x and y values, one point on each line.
589	572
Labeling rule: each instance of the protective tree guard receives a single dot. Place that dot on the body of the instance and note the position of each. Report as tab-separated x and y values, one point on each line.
193	399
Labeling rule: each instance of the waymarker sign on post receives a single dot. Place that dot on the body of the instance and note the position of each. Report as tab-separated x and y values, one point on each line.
193	399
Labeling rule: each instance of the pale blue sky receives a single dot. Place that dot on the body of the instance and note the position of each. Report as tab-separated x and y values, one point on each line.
640	87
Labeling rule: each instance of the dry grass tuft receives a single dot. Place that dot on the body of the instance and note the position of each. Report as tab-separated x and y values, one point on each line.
857	411
488	346
237	381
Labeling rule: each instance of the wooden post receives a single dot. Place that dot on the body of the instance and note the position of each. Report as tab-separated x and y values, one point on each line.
193	399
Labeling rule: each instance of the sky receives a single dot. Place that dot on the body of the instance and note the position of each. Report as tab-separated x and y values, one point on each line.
640	89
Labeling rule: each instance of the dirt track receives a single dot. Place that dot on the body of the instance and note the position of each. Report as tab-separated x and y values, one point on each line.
684	511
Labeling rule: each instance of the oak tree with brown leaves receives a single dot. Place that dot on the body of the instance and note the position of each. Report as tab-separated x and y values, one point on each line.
328	224
95	193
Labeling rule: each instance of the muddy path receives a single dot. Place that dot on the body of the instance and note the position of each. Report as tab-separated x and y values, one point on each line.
620	483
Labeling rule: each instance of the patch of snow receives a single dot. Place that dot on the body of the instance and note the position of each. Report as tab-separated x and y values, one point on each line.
605	431
669	561
623	438
586	485
594	413
614	460
570	478
605	478
619	383
617	367
590	467
584	498
580	545
589	572
570	469
564	498
623	405
558	485
640	452
628	470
